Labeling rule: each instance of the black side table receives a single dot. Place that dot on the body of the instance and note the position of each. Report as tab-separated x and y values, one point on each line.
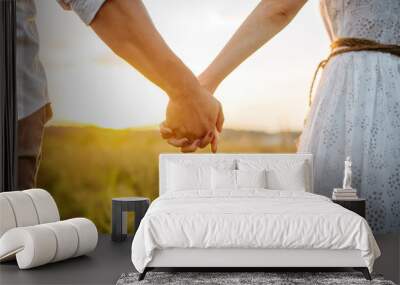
120	207
355	205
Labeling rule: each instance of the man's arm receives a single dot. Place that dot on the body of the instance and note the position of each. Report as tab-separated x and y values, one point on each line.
125	26
266	20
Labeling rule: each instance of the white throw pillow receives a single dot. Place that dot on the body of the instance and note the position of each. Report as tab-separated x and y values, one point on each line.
293	178
227	179
181	177
251	178
281	174
223	179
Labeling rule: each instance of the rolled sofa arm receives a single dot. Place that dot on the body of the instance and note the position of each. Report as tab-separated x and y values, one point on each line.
40	244
26	208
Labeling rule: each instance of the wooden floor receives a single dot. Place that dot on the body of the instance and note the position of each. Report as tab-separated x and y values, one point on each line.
102	266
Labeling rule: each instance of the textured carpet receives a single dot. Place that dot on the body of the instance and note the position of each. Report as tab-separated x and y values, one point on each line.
269	278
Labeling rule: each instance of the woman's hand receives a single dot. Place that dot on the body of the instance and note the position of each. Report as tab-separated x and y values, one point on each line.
208	82
193	121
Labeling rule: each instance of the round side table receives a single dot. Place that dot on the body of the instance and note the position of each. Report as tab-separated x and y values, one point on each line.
120	207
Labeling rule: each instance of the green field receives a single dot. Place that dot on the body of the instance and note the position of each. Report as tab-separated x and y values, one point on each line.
84	167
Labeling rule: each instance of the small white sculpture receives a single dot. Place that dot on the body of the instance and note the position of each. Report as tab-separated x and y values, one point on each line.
347	174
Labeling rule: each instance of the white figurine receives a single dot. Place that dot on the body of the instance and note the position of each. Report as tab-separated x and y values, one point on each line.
347	174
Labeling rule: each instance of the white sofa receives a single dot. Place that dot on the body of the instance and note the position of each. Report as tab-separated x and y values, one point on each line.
31	231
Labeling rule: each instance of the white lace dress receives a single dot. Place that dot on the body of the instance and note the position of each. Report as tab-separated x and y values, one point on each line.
356	110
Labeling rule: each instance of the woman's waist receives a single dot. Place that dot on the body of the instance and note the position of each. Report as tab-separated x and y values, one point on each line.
362	48
388	38
363	55
351	45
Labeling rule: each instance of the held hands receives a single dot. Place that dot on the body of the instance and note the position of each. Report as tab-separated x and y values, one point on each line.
193	120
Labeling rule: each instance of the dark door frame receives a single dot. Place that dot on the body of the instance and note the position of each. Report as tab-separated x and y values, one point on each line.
8	101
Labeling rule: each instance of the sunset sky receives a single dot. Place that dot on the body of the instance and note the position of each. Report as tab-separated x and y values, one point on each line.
89	84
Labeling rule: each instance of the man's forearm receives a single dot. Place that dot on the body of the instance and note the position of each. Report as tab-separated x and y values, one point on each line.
125	26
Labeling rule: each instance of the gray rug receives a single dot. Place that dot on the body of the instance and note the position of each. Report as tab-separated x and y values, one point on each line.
269	278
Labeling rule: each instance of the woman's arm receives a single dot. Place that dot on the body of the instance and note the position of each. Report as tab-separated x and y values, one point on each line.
266	20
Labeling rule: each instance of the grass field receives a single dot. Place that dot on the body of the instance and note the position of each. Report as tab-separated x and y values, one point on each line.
84	167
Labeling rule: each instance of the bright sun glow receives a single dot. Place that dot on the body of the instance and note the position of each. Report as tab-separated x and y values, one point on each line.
89	84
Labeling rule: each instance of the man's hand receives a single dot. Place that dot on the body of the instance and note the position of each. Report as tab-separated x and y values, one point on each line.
193	120
192	113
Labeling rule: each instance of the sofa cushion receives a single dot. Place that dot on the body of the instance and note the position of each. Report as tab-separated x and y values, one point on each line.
7	220
23	208
26	208
45	205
